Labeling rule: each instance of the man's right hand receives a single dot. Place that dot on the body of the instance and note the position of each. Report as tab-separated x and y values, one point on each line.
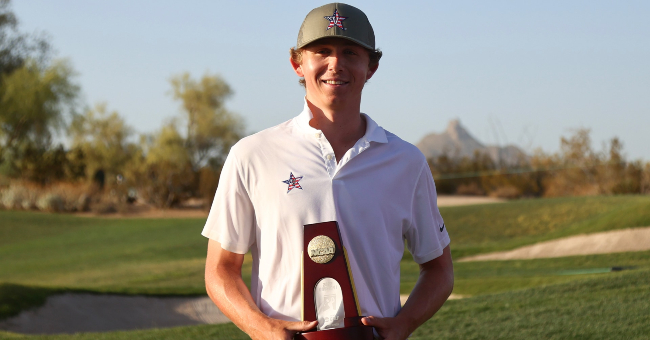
280	329
227	290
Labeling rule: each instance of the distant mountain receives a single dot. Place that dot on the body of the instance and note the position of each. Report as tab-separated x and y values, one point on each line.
457	142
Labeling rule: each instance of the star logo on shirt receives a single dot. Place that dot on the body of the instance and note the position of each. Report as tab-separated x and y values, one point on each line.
335	20
293	182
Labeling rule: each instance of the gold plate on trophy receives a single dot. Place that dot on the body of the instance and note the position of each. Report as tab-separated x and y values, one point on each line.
321	249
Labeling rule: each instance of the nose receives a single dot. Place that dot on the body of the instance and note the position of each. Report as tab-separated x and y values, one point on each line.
336	62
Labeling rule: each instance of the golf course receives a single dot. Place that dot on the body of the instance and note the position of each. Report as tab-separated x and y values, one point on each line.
598	296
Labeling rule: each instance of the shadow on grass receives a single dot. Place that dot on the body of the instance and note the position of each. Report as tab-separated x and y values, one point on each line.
16	298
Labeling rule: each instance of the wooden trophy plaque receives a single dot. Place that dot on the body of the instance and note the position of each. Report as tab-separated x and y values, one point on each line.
328	292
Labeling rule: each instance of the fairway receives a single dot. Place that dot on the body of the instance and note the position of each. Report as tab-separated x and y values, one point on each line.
44	254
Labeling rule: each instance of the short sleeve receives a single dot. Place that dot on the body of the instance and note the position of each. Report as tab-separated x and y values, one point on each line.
427	235
231	221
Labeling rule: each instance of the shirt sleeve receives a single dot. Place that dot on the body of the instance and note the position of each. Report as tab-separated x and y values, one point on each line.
231	221
427	235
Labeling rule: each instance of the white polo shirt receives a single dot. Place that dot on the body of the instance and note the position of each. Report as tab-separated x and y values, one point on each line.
278	180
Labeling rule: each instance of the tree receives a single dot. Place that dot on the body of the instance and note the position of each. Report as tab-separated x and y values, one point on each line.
211	129
35	95
16	47
103	140
33	104
167	173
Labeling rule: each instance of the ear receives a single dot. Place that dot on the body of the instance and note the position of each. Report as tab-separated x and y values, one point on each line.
371	71
296	68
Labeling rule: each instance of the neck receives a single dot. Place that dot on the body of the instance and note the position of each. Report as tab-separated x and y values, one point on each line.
342	127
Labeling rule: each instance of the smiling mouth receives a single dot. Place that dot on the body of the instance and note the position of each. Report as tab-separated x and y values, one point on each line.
334	82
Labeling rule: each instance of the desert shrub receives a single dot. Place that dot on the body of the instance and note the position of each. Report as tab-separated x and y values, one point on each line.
208	180
58	197
51	202
645	179
103	207
30	198
73	197
12	197
109	200
508	192
472	189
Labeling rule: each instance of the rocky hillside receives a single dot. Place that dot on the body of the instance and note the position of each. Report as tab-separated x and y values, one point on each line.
457	142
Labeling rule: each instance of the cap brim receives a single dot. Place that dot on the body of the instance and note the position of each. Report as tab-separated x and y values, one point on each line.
338	37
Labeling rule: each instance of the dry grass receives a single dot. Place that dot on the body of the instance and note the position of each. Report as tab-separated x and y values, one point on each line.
60	197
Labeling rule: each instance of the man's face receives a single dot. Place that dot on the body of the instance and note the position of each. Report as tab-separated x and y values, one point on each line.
335	71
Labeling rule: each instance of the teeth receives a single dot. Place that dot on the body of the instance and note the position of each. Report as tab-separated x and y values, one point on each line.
334	82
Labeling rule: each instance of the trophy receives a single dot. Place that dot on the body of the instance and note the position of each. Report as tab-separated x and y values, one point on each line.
328	292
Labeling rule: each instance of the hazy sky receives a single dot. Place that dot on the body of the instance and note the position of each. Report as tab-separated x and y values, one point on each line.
521	72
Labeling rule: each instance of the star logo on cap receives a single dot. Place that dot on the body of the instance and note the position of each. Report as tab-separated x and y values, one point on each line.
335	20
293	182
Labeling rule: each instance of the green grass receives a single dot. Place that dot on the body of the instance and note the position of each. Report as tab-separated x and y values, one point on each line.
504	226
487	277
14	298
616	306
129	256
222	332
44	254
157	256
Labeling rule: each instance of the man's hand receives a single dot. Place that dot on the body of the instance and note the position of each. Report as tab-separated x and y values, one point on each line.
227	290
387	328
281	330
432	289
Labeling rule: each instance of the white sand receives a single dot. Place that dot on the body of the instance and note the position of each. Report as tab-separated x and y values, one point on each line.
448	200
615	241
71	313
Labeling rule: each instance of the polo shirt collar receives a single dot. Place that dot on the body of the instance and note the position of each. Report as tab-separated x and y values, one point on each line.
374	132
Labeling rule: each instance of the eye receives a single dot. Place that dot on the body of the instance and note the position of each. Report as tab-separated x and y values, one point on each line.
353	52
322	50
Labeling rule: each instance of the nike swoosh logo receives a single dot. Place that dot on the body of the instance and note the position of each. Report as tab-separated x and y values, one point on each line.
443	227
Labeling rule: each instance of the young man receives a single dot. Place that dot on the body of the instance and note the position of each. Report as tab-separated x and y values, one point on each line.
330	163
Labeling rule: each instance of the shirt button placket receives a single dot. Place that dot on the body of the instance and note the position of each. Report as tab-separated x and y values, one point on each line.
328	154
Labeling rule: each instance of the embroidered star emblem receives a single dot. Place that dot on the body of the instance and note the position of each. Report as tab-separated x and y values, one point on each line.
293	182
335	20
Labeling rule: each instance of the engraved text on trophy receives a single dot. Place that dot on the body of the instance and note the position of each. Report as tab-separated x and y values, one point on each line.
329	304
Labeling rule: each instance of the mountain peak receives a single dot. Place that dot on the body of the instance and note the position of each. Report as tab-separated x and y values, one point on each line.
458	133
457	142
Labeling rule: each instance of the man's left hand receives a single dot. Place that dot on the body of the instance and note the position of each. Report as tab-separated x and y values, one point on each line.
432	289
387	328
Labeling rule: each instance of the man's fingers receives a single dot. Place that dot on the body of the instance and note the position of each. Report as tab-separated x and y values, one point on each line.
373	321
301	326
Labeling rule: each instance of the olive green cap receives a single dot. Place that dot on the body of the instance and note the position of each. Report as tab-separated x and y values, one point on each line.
337	20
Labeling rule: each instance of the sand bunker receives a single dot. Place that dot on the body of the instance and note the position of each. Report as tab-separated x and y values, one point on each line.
72	313
615	241
449	201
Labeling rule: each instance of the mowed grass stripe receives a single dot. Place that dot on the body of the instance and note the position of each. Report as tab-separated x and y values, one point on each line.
505	226
610	307
478	278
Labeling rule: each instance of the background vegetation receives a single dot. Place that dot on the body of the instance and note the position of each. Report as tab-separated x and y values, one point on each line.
57	154
576	170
